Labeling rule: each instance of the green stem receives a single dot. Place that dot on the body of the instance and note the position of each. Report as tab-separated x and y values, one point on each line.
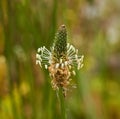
61	99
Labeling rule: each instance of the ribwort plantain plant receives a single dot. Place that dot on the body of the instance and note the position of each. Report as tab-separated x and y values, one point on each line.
60	60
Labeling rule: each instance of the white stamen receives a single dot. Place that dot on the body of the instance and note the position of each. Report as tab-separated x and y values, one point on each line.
69	48
73	72
50	61
81	65
38	56
68	45
71	51
39	49
82	57
44	57
62	65
78	66
66	63
76	56
57	65
73	48
46	66
69	74
38	62
60	61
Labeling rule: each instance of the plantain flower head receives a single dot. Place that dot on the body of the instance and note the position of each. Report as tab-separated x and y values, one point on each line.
60	60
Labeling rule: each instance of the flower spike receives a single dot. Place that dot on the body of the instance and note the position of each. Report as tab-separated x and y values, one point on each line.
60	60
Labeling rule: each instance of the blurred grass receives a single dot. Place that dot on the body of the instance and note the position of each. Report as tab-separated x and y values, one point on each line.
93	27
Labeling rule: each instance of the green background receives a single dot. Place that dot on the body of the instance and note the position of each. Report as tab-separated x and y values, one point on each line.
93	27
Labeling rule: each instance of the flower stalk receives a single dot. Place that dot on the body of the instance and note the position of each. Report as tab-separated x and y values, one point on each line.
62	103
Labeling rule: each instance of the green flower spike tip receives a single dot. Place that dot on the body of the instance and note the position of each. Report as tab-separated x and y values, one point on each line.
60	44
60	60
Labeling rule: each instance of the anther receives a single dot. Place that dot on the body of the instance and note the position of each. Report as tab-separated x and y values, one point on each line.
73	72
38	62
81	65
39	49
65	63
46	66
57	65
38	56
60	61
62	65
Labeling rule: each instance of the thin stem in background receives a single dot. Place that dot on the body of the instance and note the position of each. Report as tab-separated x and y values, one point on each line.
83	86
